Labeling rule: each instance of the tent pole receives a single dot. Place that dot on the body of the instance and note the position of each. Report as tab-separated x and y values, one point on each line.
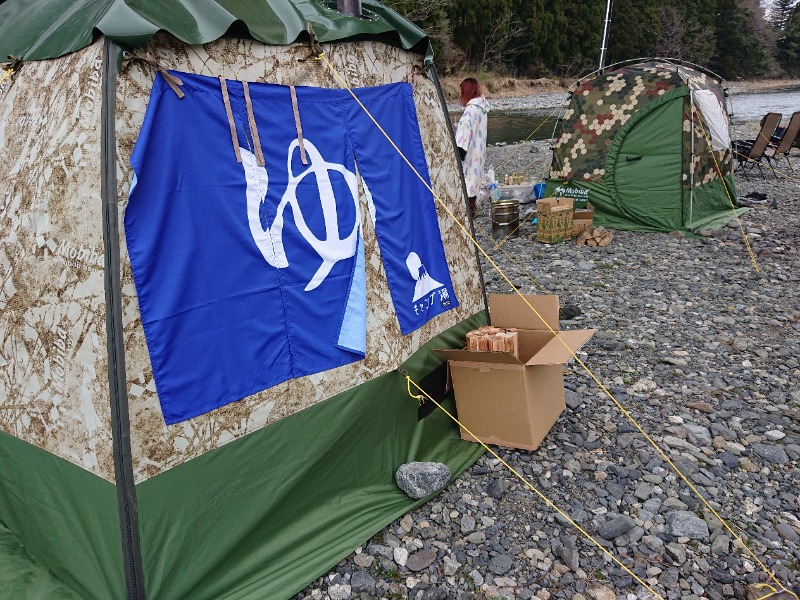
691	163
430	69
604	43
117	378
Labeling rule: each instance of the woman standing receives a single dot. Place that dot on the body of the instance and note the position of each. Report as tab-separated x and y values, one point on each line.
471	137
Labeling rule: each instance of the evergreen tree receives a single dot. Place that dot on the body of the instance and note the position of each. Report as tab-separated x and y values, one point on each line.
484	29
563	37
524	53
781	13
635	28
739	51
584	35
788	44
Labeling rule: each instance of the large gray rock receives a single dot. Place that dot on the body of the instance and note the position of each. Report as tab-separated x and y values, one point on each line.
616	527
683	523
362	581
568	552
420	479
420	560
698	434
787	532
773	454
501	563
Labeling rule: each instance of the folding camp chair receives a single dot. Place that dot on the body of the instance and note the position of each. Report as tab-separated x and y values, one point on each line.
782	143
752	152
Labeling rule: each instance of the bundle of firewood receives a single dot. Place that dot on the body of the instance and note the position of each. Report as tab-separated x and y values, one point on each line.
494	339
595	236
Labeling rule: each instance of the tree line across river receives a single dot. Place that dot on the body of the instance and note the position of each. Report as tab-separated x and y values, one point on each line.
542	38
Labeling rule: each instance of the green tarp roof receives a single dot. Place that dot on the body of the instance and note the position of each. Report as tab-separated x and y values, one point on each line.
39	29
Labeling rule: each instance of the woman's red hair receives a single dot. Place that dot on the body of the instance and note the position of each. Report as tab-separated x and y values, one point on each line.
470	88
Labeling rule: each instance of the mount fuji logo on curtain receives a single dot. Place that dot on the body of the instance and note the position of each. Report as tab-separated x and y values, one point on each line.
247	275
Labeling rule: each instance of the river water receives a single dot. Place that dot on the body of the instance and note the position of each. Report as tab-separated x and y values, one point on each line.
514	125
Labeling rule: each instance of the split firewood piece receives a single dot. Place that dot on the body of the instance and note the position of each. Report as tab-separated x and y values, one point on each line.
485	343
512	342
472	340
594	236
493	339
605	239
488	330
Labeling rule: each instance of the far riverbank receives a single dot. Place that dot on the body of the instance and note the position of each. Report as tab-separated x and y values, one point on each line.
504	88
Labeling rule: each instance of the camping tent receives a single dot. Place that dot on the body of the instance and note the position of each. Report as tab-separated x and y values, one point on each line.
99	497
648	144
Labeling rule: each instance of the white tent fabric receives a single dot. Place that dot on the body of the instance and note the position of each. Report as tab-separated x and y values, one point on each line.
715	119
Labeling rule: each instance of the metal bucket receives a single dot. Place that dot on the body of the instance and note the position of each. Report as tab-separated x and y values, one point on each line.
505	219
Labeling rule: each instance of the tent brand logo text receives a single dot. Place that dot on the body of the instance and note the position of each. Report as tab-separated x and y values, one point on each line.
89	97
59	358
573	192
76	257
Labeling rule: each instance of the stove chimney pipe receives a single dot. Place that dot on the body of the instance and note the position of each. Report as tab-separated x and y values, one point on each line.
350	7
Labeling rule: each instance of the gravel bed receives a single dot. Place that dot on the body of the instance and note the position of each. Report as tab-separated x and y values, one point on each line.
526	103
704	351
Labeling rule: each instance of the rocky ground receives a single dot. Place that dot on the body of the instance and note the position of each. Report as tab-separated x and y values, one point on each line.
702	346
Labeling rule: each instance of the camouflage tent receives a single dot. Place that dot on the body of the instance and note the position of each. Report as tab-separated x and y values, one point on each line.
99	498
648	144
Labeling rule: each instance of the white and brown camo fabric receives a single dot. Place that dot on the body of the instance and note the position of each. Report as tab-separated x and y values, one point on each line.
53	361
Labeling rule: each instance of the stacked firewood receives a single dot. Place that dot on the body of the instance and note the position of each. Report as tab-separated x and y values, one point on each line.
494	339
595	236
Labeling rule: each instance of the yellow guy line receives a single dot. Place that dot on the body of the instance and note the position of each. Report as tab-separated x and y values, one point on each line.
725	186
555	333
769	166
512	155
497	245
773	591
549	502
550	116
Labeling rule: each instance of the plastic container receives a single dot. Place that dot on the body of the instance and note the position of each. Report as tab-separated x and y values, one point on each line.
494	193
522	192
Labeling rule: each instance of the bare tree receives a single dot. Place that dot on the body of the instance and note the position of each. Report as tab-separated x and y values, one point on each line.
419	10
673	32
431	15
576	67
499	40
683	37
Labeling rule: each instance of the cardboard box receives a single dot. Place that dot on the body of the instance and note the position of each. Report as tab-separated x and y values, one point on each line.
508	401
582	218
554	216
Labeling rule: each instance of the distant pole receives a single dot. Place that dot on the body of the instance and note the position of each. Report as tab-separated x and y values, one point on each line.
604	45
